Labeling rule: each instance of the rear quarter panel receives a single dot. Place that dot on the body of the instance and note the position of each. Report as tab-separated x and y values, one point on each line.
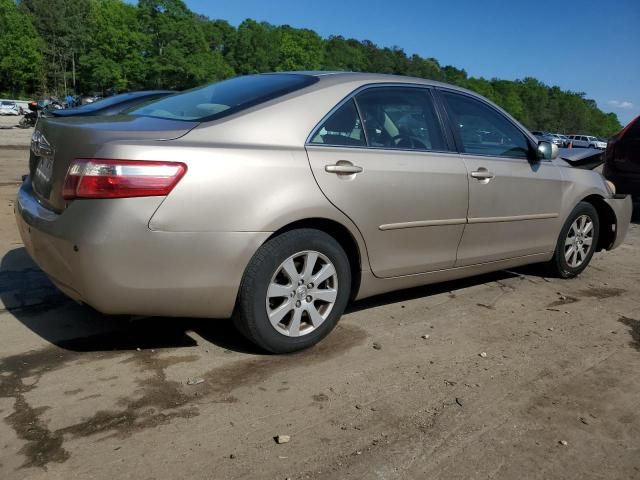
243	189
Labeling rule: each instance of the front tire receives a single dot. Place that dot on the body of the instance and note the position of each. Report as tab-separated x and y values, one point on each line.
293	291
577	242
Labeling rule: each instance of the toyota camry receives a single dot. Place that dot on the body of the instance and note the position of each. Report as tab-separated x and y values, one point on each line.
276	199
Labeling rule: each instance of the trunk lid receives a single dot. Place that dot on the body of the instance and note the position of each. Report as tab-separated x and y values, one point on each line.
56	142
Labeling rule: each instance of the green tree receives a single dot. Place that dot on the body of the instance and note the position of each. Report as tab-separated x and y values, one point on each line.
299	49
425	68
220	36
177	54
453	75
348	55
256	49
20	52
113	58
62	24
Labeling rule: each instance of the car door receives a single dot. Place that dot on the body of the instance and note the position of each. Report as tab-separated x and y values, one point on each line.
514	203
381	158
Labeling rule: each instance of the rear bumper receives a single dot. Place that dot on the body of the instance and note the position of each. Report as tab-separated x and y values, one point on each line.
622	207
102	253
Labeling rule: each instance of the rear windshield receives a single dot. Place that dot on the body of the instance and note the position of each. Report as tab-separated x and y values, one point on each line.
107	102
224	98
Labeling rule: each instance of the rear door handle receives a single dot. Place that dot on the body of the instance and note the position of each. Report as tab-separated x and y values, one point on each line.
343	168
483	174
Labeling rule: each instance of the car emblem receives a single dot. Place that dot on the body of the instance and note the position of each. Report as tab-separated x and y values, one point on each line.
40	146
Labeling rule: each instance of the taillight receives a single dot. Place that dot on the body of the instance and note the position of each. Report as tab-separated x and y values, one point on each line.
101	178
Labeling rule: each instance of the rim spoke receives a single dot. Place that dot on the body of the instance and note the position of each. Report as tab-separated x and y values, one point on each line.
587	228
588	241
277	290
569	252
574	254
309	263
569	241
290	269
574	229
325	272
314	315
294	326
276	316
328	295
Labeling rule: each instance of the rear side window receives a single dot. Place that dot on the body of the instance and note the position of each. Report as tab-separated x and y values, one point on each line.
224	98
483	130
342	128
402	118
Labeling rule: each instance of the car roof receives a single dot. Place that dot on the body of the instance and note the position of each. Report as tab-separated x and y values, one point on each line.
344	77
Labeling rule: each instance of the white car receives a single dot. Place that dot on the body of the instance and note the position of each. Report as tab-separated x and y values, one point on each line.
9	108
586	141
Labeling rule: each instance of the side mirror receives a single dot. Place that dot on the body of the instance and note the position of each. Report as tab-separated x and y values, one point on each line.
547	150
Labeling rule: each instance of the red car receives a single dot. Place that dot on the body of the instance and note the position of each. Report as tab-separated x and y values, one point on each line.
622	160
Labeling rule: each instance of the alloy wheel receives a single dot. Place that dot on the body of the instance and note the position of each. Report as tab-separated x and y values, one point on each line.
579	241
302	293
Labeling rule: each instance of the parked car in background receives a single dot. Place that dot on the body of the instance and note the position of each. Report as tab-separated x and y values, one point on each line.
114	105
539	134
587	141
548	137
557	139
561	140
542	136
8	107
622	160
278	198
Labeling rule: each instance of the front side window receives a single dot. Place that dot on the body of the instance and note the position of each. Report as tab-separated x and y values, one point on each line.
224	98
483	130
400	118
342	128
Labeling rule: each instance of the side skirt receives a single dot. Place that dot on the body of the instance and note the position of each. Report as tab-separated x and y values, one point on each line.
371	285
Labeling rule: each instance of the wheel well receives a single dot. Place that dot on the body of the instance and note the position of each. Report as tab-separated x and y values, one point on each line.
342	235
607	222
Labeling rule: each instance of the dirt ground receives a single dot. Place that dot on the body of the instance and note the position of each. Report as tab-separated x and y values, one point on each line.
555	397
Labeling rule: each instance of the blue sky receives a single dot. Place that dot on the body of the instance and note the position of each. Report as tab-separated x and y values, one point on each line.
585	46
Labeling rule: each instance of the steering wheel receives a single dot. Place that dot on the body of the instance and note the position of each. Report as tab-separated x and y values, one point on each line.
407	141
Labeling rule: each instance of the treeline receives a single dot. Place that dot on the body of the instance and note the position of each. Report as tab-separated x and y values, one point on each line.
55	47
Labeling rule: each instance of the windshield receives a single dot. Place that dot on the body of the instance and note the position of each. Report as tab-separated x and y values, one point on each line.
224	98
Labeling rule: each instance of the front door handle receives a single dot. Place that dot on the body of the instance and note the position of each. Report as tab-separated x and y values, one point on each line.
343	168
483	175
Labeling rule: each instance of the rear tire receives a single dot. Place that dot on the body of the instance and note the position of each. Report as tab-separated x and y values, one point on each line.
577	242
279	306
